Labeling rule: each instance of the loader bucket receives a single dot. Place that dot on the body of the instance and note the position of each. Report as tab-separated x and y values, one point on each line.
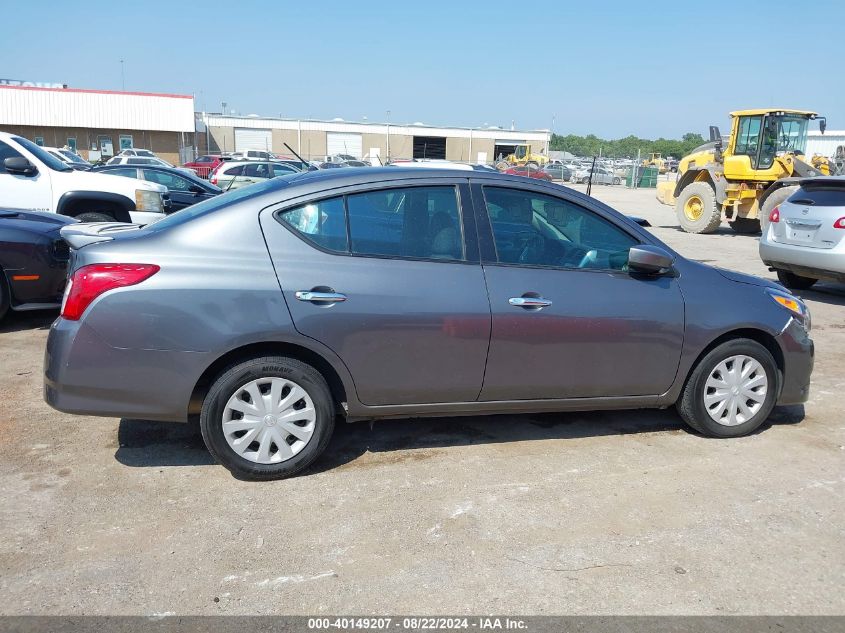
666	192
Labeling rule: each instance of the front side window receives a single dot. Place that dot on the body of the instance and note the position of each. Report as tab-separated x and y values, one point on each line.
537	230
417	222
7	151
748	136
323	223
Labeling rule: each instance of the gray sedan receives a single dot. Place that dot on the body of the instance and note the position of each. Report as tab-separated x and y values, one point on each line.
275	310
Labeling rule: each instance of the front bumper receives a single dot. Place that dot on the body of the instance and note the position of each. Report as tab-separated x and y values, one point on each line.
798	359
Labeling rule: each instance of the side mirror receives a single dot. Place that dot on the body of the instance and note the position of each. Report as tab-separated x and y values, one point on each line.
822	124
19	165
649	260
195	189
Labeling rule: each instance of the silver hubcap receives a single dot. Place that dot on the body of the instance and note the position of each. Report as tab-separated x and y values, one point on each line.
735	390
269	420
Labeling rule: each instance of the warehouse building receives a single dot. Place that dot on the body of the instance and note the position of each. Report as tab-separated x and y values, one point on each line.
824	144
100	123
315	140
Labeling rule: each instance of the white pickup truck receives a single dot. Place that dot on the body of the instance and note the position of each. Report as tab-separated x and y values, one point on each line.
34	180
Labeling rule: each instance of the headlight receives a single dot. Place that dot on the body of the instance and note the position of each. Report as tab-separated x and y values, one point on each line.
795	306
148	201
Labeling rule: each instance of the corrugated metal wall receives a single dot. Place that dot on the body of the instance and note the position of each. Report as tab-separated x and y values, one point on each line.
93	109
825	144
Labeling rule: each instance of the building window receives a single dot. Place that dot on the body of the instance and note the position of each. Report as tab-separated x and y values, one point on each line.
126	142
71	143
39	140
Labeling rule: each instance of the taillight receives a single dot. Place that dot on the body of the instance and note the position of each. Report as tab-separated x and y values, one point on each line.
839	224
213	179
89	282
774	216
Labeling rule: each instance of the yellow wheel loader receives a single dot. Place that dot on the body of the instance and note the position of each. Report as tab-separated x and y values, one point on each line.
522	156
656	160
742	181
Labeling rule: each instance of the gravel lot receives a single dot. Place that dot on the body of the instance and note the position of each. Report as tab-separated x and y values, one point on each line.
604	513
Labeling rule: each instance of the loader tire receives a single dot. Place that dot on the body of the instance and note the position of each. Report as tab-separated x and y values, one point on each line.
697	210
773	200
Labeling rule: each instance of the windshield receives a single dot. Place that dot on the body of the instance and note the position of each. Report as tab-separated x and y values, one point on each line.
792	134
41	154
74	158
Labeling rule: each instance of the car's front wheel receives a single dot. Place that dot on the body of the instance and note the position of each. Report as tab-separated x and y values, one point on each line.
267	418
732	390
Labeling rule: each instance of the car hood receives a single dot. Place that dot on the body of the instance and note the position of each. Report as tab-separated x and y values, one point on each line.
751	280
93	181
34	222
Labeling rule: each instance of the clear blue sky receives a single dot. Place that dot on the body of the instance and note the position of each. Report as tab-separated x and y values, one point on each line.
608	68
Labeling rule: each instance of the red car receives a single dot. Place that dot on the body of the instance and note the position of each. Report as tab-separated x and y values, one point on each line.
204	165
530	172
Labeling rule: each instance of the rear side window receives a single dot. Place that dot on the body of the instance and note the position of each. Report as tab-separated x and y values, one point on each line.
323	223
234	171
820	196
417	222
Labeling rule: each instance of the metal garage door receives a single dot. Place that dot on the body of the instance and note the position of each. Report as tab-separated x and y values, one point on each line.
342	143
253	138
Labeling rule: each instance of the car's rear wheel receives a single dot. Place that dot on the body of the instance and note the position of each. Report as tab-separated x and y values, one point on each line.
617	180
731	391
267	418
93	216
795	282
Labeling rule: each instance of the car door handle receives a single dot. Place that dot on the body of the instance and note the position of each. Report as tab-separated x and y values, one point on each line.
320	297
529	302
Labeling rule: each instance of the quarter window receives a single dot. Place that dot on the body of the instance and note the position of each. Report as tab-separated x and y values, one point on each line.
537	230
323	223
417	222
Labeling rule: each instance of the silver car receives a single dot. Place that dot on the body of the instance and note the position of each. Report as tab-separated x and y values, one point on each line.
240	173
354	294
804	237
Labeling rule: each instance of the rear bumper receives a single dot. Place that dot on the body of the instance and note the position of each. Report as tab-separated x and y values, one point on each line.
86	376
817	263
798	360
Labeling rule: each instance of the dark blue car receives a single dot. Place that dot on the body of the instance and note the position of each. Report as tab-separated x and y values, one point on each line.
185	188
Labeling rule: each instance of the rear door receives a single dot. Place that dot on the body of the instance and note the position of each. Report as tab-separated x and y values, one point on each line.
389	279
569	321
812	217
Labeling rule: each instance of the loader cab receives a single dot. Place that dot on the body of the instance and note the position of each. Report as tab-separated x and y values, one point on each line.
758	137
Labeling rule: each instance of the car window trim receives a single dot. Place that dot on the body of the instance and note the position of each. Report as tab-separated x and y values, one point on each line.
487	241
465	207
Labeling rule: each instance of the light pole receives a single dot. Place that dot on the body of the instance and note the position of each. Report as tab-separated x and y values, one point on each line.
388	136
122	77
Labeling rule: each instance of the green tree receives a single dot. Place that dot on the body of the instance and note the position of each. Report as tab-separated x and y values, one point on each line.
627	147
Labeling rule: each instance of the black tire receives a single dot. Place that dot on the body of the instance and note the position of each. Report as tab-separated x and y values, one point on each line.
233	380
710	216
795	282
773	200
93	216
691	405
585	180
745	226
5	295
617	181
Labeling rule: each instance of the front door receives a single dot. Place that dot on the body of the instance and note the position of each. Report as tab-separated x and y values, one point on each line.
569	321
23	192
385	279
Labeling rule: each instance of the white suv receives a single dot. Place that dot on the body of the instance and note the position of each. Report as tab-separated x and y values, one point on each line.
34	180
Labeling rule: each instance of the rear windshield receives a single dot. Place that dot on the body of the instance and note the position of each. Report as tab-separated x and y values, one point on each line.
218	202
820	195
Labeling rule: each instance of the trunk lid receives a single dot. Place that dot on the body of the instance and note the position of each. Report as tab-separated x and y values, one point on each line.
807	218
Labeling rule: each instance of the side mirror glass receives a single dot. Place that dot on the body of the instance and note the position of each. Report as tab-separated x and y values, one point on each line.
19	165
822	124
715	135
649	260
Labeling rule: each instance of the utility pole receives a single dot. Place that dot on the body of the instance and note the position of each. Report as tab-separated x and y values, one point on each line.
388	136
122	77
